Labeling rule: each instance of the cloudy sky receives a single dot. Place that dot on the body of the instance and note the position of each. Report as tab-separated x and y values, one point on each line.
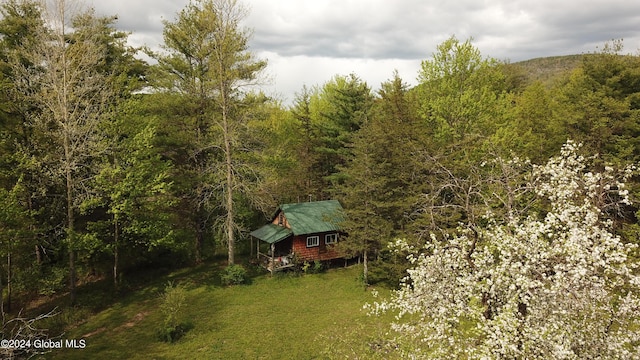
307	42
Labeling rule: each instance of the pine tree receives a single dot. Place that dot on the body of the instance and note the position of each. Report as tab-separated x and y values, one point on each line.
209	63
348	102
378	188
308	182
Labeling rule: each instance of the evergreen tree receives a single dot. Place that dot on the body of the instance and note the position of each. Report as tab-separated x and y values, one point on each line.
348	102
21	146
378	188
308	179
365	182
209	63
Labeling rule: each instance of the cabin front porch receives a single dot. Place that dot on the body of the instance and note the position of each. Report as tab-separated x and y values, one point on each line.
277	257
275	263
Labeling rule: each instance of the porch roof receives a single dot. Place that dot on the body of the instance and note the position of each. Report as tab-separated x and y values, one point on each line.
271	233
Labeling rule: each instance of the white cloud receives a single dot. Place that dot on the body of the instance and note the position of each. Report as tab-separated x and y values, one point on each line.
292	72
308	42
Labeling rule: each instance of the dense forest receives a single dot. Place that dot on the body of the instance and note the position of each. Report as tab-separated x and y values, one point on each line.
110	164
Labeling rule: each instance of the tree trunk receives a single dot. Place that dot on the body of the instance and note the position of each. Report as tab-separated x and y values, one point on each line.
9	274
365	270
230	223
38	255
198	246
273	258
230	178
68	161
116	252
1	300
32	228
70	220
199	241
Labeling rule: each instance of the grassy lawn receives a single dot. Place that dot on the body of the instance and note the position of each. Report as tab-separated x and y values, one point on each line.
281	317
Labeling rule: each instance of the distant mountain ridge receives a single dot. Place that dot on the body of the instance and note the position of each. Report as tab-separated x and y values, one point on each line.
549	69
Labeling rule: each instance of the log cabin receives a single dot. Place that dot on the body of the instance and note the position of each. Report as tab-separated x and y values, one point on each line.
300	232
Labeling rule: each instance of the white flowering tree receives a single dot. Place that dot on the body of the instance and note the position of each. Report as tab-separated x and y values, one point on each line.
554	283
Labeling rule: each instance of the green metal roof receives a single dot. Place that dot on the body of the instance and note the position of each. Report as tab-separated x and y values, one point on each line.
313	217
271	233
303	218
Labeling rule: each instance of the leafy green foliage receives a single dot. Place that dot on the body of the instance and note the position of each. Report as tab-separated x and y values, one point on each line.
387	272
234	274
133	187
461	93
601	104
52	282
312	267
172	302
534	128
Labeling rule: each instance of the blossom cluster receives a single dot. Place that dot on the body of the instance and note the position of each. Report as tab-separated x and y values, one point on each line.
547	284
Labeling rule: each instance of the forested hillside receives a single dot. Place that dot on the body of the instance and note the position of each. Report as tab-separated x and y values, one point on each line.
550	69
110	165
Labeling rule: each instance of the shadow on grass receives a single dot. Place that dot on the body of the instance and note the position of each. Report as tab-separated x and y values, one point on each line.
140	285
140	288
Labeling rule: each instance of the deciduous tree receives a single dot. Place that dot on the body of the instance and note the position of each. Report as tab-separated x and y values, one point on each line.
462	99
461	93
601	103
72	98
550	284
132	184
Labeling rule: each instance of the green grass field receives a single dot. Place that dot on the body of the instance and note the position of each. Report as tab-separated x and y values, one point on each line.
309	316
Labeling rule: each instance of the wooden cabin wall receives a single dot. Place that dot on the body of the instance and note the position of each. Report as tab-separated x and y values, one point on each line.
322	252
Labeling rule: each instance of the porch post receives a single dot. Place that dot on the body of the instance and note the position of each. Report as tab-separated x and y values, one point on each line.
273	257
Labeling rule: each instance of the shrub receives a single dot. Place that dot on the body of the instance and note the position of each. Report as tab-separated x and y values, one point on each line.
234	275
172	302
318	266
314	268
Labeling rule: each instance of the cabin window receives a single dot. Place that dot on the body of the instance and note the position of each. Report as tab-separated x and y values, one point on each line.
313	241
281	219
330	239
